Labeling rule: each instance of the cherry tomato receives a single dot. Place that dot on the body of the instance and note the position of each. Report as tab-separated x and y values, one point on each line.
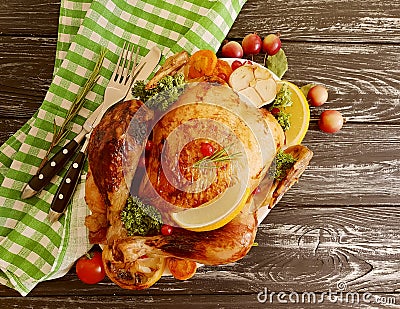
251	44
166	229
206	149
330	121
89	268
256	190
275	111
236	64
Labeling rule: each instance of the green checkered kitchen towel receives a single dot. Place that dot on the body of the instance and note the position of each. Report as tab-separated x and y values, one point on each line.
31	249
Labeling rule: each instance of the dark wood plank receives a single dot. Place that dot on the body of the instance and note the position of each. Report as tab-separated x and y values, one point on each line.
368	93
29	18
294	253
357	166
8	126
313	20
184	301
297	20
26	72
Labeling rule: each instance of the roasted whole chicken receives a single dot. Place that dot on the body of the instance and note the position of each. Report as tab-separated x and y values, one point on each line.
204	112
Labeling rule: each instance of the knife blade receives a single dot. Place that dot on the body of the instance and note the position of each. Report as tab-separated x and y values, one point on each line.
70	180
53	166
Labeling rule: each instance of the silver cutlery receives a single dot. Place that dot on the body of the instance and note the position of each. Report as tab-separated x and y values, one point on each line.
117	90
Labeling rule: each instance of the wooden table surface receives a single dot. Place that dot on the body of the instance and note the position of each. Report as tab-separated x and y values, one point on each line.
338	228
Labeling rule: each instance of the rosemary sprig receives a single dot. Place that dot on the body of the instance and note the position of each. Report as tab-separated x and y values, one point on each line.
218	156
59	133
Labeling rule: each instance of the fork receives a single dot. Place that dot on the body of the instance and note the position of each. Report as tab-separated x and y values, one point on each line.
121	80
120	83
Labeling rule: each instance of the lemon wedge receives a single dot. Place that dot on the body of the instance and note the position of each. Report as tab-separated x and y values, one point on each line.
300	115
216	213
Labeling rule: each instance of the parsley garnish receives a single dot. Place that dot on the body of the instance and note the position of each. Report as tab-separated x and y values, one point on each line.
283	99
160	97
284	120
283	162
140	218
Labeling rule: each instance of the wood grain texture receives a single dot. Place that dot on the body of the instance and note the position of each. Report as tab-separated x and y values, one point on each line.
314	20
168	301
338	224
357	166
29	18
294	253
26	66
332	20
362	82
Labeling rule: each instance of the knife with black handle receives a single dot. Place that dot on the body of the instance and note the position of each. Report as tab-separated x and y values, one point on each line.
68	185
58	161
52	167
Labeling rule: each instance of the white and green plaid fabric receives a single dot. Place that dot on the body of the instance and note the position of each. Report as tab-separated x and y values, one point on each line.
31	249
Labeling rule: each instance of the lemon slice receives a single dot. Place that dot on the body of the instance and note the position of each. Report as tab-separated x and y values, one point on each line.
300	115
216	213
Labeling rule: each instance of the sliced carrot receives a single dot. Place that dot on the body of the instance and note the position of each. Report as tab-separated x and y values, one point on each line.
181	269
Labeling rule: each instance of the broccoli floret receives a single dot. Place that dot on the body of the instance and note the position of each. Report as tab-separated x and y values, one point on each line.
284	120
140	218
160	97
283	98
283	162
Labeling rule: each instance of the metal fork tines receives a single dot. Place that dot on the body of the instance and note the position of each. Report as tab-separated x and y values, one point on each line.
121	80
123	70
123	75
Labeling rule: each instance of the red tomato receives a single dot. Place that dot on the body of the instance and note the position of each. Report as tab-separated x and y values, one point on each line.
271	44
235	64
232	49
166	229
256	190
275	111
317	95
330	121
89	268
251	44
206	149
